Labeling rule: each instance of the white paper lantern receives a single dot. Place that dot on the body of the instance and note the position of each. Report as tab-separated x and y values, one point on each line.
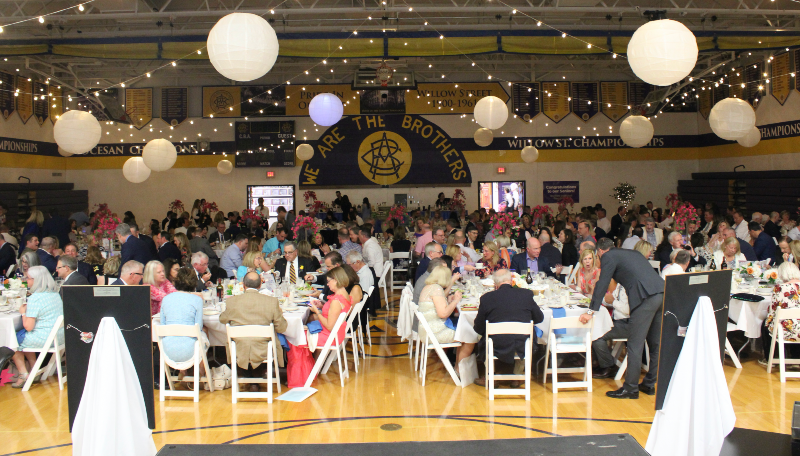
483	137
63	152
326	109
305	152
732	119
242	46
77	132
529	154
752	138
662	52
491	112
135	170
224	167
636	131
159	155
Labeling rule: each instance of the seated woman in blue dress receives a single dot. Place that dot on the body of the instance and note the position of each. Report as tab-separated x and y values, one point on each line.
183	308
38	318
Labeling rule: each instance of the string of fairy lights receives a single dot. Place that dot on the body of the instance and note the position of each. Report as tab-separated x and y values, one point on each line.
695	83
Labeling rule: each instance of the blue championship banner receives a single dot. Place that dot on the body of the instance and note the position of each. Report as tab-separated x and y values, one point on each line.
390	150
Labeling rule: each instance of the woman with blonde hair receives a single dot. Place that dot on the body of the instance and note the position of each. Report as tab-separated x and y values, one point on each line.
91	241
110	270
155	276
182	241
729	255
436	306
492	261
794	247
588	272
304	251
644	247
459	260
34	224
95	260
503	243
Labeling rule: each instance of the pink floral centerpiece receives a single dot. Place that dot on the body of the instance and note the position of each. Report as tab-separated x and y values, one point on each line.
397	213
503	221
249	217
459	201
309	224
310	196
209	207
684	214
543	213
177	207
107	222
673	203
564	202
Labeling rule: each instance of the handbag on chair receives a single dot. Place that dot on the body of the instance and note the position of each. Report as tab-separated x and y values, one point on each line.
221	376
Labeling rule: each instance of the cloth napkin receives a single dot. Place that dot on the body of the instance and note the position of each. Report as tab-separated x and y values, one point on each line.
314	327
559	312
449	323
284	342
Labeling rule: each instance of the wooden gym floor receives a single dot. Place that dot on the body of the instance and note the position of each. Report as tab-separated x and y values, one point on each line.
385	402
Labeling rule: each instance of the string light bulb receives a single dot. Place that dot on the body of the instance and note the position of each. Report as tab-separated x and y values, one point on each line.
41	19
80	7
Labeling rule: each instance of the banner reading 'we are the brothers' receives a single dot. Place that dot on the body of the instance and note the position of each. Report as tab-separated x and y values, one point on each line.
388	150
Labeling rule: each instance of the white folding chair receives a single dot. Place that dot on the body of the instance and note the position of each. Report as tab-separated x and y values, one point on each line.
432	344
580	343
623	365
655	264
572	279
729	348
11	270
350	334
51	345
331	345
778	337
369	333
567	271
162	331
399	284
508	328
387	270
255	332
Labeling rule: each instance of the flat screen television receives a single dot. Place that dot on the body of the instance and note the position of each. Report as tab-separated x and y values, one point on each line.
274	197
493	195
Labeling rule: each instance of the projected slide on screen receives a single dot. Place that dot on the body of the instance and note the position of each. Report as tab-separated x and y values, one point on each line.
502	195
274	196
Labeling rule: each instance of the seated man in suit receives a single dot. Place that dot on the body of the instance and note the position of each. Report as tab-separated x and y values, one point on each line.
676	241
432	250
618	299
200	266
219	237
764	245
549	251
505	303
167	248
131	273
253	308
67	269
8	256
291	268
31	242
45	254
531	260
83	268
199	243
132	248
148	241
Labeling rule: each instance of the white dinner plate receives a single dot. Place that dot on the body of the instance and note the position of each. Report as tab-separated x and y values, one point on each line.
210	312
290	308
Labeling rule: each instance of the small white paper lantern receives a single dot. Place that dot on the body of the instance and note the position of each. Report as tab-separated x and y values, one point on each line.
77	132
529	154
662	52
483	137
135	170
159	155
242	46
732	119
636	131
326	109
63	152
224	167
752	138
305	152
491	112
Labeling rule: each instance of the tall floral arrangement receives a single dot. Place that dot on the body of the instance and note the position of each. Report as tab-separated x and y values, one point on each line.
208	207
308	224
397	213
459	201
684	214
624	193
673	203
106	220
310	196
502	221
543	213
564	202
249	217
176	206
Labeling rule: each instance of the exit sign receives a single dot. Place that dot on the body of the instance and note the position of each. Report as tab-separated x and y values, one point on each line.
501	170
270	174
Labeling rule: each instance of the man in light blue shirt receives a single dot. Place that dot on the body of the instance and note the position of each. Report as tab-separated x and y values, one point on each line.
275	243
232	257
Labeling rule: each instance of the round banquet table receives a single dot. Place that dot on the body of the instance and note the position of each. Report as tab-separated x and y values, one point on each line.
10	323
749	316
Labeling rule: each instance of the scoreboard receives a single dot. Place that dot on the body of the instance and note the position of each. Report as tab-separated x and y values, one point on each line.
264	144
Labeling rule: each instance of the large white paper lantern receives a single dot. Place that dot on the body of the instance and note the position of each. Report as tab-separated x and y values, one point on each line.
159	155
483	137
636	131
63	152
752	138
242	46
732	119
305	152
135	170
224	167
491	112
77	132
326	109
529	154
662	52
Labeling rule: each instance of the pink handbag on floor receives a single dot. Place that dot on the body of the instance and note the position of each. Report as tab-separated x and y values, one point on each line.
299	364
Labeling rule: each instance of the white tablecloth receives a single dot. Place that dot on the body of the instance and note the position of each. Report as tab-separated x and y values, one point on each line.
749	316
219	253
602	323
10	323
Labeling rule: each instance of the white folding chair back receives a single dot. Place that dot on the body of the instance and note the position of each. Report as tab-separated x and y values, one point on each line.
623	365
572	278
162	331
369	335
387	271
333	344
569	343
778	336
51	345
567	271
256	332
655	264
11	270
508	328
729	348
350	332
399	284
431	343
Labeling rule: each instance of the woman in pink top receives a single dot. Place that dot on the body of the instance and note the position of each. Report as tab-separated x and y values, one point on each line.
156	277
338	303
588	273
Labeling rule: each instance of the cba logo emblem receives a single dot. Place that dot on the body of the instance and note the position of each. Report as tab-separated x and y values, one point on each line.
242	128
384	157
220	101
287	127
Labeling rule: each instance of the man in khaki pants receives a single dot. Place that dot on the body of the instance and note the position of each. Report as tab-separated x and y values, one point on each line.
253	308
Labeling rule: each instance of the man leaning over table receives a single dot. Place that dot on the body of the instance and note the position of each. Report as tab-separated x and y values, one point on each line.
232	257
275	244
618	299
505	303
645	290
